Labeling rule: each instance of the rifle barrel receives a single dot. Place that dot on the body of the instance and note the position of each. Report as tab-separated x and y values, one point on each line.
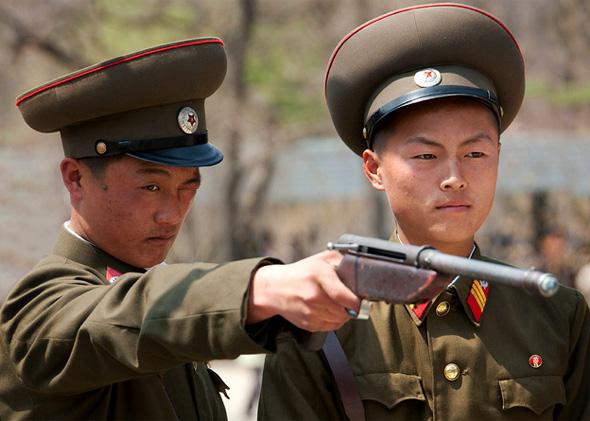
531	280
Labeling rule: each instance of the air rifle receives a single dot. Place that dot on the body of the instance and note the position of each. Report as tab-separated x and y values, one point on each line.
379	270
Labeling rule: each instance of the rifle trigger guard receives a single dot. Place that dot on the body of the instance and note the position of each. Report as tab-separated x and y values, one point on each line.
364	310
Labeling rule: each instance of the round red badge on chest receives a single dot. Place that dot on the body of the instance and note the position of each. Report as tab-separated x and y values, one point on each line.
535	361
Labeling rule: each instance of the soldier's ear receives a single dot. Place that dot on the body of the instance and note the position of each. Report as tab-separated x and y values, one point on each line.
71	175
372	169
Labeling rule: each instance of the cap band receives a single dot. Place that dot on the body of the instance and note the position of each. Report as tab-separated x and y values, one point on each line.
419	95
116	147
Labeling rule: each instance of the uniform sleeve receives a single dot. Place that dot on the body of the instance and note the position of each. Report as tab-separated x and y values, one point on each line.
577	380
297	386
68	333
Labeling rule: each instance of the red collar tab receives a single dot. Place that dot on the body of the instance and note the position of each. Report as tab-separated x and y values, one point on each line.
420	309
112	275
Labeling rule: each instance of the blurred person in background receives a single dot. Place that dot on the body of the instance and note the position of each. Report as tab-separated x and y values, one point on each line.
582	282
555	256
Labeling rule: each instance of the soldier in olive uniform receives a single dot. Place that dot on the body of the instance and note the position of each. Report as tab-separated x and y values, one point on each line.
99	329
422	94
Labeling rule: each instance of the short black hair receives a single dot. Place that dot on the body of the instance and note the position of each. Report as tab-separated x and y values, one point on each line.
98	165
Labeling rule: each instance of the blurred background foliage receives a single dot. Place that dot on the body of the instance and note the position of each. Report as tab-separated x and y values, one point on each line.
269	110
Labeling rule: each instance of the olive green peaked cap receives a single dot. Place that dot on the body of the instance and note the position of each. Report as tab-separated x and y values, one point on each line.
148	104
418	54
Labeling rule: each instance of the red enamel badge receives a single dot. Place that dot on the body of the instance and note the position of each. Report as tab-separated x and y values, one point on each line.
535	361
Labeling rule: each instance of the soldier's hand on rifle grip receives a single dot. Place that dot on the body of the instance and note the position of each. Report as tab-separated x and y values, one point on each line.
308	293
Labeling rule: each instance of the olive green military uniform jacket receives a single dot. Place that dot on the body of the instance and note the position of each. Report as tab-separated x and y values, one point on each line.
398	360
75	346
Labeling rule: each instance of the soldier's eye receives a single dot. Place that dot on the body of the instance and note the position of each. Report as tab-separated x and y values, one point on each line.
152	187
425	156
475	154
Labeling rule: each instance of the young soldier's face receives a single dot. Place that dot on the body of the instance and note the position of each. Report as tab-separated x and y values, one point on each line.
438	162
135	209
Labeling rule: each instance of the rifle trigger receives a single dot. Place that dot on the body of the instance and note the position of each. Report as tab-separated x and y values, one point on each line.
364	310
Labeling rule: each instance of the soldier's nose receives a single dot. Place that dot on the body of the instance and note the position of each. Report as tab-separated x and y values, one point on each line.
453	183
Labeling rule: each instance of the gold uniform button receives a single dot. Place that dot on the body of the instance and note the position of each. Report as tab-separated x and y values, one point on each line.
452	372
442	309
101	148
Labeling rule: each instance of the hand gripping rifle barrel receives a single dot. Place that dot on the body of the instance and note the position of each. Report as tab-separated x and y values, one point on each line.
428	258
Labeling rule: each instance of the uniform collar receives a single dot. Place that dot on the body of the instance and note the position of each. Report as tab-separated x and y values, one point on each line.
77	249
471	293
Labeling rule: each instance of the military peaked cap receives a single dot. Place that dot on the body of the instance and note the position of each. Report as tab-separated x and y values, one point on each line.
148	104
418	54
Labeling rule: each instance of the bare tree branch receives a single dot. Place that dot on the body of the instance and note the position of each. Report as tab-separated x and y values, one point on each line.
238	231
571	26
24	37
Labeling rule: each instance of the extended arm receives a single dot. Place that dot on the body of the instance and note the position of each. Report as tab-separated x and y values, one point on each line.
95	334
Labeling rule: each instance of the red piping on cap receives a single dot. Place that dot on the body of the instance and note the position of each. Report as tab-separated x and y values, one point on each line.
115	63
407	9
